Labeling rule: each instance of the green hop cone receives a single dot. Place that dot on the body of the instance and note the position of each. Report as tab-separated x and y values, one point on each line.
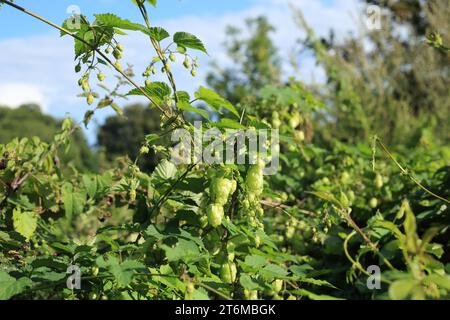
94	271
117	54
343	199
373	203
220	190
215	215
186	64
85	84
299	136
90	99
100	76
228	272
295	120
255	180
144	150
277	285
379	181
251	294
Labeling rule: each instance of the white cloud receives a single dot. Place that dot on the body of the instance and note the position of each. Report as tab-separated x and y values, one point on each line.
15	94
40	68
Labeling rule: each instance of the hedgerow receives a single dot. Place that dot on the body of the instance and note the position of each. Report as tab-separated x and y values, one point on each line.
316	229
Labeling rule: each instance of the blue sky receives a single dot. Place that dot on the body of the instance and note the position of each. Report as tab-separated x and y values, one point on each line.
36	65
56	10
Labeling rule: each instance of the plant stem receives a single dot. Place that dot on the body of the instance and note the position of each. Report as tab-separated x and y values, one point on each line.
407	173
106	58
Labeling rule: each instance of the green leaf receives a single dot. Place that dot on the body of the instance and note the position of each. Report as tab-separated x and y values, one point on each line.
185	250
166	170
273	271
111	20
401	289
316	282
200	294
183	96
255	261
186	106
9	286
123	272
228	124
215	101
90	183
157	90
158	33
248	283
24	223
187	40
73	201
326	196
314	296
442	281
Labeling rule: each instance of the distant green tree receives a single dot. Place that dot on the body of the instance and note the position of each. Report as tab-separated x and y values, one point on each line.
28	121
255	62
388	82
123	135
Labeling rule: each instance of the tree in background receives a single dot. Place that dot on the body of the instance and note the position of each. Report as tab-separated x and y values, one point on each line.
388	82
28	121
255	62
123	135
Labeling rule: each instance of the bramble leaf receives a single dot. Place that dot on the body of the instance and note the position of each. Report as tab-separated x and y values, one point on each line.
24	223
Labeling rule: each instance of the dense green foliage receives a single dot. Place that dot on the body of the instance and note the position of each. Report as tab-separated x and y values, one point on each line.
340	202
123	134
28	121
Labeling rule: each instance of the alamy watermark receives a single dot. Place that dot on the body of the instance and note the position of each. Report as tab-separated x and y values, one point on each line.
373	17
374	280
230	147
74	280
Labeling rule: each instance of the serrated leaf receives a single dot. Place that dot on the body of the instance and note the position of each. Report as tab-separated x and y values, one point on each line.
401	289
226	123
9	286
111	20
255	261
314	296
188	107
183	96
158	33
215	101
273	271
188	40
248	283
24	223
73	201
166	170
157	90
326	196
185	250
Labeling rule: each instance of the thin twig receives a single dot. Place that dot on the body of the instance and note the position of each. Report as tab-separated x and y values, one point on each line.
410	175
106	58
